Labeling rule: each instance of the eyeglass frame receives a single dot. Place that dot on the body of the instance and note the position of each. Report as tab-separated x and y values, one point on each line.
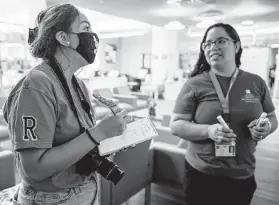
214	42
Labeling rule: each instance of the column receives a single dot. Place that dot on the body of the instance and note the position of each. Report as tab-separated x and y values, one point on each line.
165	60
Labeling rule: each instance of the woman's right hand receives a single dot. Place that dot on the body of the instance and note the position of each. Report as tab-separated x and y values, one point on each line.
113	125
218	133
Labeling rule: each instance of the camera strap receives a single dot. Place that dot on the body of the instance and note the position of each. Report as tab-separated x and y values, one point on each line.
62	80
84	103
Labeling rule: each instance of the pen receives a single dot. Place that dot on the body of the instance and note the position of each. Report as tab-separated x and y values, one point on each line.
261	119
109	103
222	122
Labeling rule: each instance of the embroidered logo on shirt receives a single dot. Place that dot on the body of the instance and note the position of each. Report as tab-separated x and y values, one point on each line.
249	97
29	125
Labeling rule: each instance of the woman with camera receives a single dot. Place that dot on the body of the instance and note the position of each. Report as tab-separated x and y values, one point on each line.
220	161
50	118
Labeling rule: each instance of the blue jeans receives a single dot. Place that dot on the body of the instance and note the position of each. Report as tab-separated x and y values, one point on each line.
85	194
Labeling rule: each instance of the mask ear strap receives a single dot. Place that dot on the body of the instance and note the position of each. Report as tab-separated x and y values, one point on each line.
96	36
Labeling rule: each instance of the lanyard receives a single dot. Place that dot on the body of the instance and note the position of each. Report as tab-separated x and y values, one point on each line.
223	99
85	105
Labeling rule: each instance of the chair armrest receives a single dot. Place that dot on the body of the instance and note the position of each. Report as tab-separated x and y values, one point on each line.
7	176
129	99
165	135
141	96
169	163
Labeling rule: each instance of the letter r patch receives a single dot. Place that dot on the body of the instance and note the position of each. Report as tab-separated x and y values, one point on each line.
29	126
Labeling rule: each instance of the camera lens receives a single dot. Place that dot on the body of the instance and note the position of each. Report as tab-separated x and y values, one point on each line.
115	175
109	170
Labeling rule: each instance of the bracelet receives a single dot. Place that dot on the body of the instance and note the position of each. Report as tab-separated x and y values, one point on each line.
90	136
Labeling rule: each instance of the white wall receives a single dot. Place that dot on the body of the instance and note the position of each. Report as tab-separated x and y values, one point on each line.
256	60
132	49
187	44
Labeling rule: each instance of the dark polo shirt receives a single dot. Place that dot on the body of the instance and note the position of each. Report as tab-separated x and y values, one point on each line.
248	98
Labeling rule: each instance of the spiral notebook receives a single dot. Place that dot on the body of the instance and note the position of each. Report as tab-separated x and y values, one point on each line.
136	132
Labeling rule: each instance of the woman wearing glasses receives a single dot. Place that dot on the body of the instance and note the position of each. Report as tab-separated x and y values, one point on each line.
220	161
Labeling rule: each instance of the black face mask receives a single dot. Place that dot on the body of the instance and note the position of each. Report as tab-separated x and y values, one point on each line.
88	43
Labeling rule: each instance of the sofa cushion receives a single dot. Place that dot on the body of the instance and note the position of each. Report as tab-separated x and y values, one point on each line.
125	106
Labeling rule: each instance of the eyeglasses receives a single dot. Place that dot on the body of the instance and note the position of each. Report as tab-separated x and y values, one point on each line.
220	43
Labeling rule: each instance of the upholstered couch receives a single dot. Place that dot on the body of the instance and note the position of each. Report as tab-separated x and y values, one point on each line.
125	101
7	178
125	90
169	158
7	170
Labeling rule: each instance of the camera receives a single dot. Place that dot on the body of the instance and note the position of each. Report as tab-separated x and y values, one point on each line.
93	162
105	167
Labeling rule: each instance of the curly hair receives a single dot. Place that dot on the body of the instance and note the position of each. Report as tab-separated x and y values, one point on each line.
202	65
42	40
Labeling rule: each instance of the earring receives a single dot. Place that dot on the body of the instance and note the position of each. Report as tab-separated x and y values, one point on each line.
68	43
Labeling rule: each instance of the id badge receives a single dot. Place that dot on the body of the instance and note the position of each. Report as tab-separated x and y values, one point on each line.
225	149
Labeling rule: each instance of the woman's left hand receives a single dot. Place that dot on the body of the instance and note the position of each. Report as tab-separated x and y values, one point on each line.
259	132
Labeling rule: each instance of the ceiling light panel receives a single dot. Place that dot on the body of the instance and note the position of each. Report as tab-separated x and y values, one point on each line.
174	25
247	23
174	2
